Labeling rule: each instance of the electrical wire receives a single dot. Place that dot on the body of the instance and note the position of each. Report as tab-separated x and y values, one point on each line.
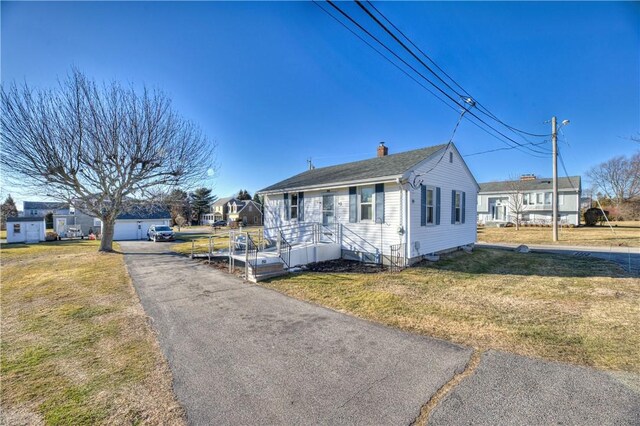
501	149
565	170
331	3
416	80
466	92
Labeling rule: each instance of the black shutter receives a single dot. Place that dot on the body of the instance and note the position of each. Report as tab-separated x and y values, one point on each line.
380	202
286	206
353	204
463	207
438	206
300	206
453	206
423	205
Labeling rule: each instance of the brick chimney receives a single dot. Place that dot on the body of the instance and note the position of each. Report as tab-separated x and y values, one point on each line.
382	150
529	176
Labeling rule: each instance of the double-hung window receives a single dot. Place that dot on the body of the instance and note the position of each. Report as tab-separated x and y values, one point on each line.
430	206
366	203
16	228
294	206
547	198
458	207
539	196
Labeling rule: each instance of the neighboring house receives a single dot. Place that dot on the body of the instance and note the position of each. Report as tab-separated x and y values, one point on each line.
408	205
219	211
135	224
246	211
76	222
29	229
498	202
42	208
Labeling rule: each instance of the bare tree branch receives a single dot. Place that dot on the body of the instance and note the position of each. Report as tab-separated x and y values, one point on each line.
100	147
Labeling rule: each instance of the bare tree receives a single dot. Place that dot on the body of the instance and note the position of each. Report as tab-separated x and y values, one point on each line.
618	178
516	189
107	149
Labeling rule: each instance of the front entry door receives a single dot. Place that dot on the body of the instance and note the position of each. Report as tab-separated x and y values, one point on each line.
328	210
61	225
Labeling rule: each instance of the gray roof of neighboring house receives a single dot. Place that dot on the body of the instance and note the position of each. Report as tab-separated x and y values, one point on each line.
145	214
25	219
222	201
571	182
43	205
389	165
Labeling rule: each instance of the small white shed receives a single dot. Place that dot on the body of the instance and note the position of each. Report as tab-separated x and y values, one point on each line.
30	229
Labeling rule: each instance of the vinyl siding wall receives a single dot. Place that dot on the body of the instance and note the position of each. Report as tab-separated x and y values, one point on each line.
568	208
359	236
447	176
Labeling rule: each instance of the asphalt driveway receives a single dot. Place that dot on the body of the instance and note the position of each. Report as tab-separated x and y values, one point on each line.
243	354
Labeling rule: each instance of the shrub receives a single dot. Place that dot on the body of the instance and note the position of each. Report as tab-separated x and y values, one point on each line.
594	215
51	236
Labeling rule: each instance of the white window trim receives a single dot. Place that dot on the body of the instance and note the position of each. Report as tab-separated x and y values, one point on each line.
458	196
373	204
433	206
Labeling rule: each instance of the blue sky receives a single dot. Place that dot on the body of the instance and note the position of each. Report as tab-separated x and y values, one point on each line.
275	83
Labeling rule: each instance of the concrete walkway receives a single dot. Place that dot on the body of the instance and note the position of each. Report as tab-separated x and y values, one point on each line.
242	354
627	257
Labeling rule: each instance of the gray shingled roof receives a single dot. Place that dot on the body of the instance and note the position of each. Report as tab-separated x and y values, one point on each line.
571	182
222	201
143	213
389	165
25	219
43	205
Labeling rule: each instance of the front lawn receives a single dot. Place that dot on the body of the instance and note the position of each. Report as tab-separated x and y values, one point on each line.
583	311
76	346
625	234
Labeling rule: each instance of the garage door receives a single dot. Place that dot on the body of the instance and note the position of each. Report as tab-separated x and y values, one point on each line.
134	230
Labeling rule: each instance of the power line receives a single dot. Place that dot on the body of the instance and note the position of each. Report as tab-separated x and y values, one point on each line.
423	76
466	92
565	170
502	149
407	74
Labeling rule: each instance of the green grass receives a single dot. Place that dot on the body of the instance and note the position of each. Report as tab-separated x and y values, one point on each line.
624	234
76	346
582	311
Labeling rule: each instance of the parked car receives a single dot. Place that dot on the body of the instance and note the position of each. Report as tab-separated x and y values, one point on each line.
219	223
160	233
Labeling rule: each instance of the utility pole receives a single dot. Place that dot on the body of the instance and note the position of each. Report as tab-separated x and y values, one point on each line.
554	200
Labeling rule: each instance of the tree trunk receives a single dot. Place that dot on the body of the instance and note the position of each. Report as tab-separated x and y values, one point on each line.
106	242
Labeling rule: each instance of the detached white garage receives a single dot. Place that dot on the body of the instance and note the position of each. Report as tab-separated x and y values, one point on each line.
134	225
29	229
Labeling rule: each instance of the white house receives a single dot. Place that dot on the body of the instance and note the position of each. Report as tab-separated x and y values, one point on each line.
404	205
29	229
500	202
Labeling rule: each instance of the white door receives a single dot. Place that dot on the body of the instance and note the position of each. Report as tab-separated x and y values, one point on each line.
328	210
61	225
33	232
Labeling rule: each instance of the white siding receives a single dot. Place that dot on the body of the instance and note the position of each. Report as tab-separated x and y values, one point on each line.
128	229
568	208
364	236
447	176
30	232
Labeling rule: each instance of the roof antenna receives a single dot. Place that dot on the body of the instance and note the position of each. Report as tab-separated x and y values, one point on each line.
311	166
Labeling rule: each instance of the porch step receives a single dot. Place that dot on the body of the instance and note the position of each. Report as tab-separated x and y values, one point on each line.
266	271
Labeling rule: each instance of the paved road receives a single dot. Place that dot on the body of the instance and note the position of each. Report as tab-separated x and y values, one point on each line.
515	390
243	354
627	257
